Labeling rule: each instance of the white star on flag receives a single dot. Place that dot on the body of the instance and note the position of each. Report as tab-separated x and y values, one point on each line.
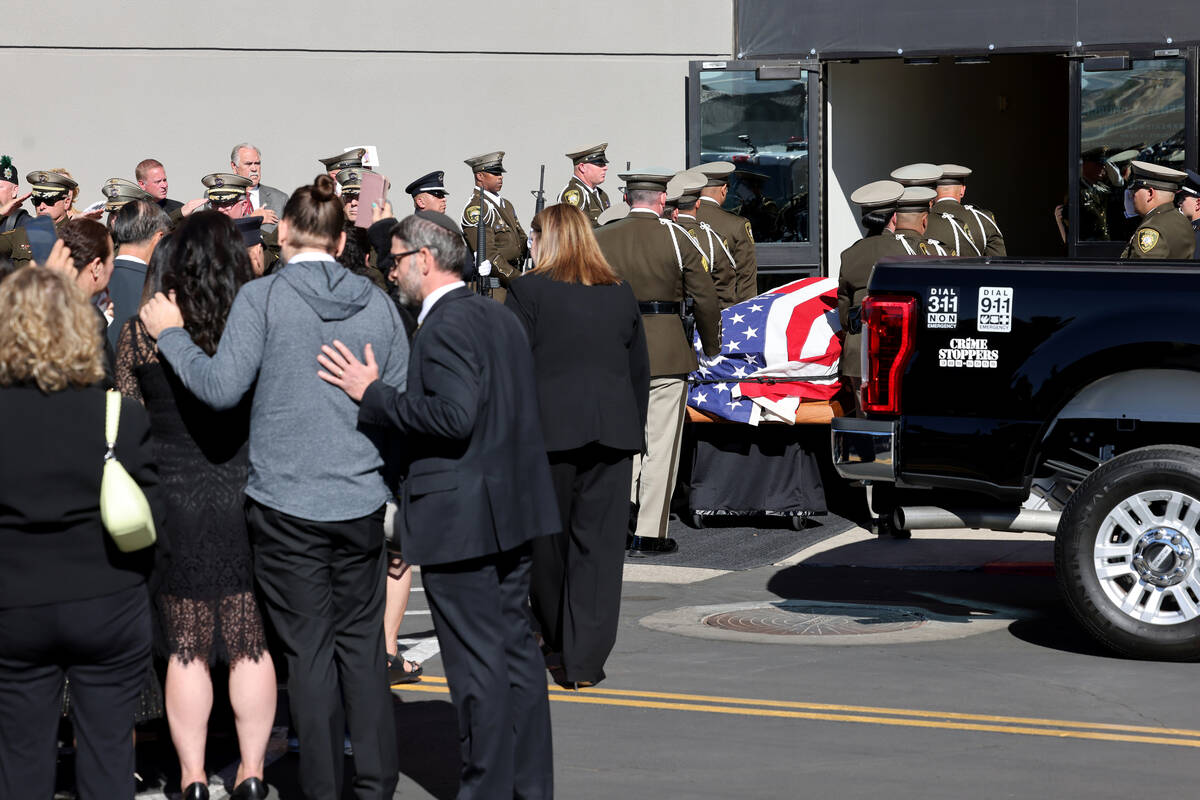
734	404
701	397
750	333
705	371
740	372
756	307
735	319
720	387
751	359
734	345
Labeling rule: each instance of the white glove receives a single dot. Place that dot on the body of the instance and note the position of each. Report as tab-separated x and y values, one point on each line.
485	268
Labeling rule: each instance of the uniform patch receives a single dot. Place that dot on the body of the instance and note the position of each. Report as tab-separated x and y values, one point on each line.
471	215
749	232
1147	238
573	197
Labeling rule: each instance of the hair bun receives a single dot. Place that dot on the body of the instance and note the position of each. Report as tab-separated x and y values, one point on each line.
323	188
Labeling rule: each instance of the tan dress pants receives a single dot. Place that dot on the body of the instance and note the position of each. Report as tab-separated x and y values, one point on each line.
654	471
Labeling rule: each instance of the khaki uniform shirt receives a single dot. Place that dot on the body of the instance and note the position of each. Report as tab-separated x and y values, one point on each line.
720	266
504	238
916	244
1163	233
592	202
738	237
14	245
642	250
976	229
858	260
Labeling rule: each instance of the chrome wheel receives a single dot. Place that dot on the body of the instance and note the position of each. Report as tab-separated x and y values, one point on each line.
1145	557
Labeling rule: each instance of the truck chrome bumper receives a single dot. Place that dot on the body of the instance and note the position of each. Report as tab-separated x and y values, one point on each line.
864	449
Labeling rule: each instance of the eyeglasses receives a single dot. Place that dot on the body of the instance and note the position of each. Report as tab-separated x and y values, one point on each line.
392	259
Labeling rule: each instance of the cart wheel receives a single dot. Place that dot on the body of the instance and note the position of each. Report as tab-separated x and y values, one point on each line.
796	522
698	521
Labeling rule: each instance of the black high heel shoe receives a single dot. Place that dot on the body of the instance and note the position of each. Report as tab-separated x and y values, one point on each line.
250	789
197	791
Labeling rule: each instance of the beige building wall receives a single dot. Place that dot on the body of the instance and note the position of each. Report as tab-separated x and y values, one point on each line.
428	84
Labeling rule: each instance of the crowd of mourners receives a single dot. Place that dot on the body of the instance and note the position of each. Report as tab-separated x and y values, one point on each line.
271	414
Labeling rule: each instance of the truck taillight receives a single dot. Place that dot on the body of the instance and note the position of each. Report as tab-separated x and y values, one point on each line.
888	323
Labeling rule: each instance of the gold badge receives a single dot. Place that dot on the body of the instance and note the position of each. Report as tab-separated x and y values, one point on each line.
1147	238
573	197
471	215
749	233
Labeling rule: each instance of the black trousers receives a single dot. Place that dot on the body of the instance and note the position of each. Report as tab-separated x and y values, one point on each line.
576	585
322	588
103	645
496	675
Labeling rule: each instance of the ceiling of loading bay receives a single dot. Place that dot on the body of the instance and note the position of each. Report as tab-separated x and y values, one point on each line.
827	28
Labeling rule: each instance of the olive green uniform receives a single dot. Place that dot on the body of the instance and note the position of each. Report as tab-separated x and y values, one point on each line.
1163	233
913	243
592	202
720	264
14	245
647	252
736	234
858	260
504	238
967	230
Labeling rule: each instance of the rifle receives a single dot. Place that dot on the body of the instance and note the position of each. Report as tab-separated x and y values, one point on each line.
539	203
483	282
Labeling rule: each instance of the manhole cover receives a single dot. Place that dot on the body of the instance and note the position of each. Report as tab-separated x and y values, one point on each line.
816	620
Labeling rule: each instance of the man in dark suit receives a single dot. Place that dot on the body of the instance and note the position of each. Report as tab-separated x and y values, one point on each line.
151	175
136	230
478	489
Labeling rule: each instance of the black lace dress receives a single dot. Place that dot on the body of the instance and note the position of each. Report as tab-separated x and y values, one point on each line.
205	601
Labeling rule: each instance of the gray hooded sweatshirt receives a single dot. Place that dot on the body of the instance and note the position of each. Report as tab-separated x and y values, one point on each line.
308	457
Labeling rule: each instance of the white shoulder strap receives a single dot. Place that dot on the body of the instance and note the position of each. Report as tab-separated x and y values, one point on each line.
981	218
958	229
671	226
907	247
704	226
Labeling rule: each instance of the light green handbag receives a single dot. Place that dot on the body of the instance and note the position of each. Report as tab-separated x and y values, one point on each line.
123	506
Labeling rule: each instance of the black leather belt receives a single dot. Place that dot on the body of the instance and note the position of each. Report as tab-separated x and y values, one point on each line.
658	307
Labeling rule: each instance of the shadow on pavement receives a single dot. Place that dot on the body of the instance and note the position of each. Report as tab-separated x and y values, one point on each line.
427	738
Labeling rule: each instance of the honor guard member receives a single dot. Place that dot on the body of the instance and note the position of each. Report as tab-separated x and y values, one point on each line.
504	238
912	215
10	183
339	161
878	201
428	192
349	179
969	231
583	190
118	191
735	232
52	193
1163	231
760	210
684	192
1188	201
618	210
663	269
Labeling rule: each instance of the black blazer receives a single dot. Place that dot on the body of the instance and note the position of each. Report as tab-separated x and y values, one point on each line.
53	546
478	482
590	359
125	288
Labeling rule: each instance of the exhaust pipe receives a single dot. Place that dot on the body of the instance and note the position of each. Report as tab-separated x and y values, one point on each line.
919	518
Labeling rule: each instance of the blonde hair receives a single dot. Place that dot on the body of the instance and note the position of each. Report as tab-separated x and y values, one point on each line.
49	333
567	248
74	192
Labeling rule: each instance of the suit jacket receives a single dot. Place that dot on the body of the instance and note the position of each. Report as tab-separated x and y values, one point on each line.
125	288
590	360
640	250
478	482
272	198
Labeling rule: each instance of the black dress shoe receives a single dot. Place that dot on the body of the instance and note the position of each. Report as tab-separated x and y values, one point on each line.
196	791
645	546
250	789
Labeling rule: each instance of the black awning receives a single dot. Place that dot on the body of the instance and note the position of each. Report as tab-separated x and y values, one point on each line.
832	28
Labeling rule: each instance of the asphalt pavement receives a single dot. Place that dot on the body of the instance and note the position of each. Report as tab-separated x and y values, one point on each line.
940	666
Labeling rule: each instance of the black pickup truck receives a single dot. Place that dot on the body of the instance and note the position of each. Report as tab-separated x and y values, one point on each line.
1062	397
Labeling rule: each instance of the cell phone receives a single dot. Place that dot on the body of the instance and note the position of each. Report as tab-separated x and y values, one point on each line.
42	236
94	207
373	189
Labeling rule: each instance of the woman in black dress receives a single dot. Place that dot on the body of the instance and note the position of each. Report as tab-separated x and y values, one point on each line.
206	605
593	383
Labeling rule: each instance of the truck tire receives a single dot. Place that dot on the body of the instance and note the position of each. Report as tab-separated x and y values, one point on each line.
1127	553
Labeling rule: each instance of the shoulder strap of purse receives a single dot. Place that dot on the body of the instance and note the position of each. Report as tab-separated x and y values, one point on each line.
112	418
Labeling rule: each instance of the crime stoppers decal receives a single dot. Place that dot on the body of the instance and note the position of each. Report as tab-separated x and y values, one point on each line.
972	353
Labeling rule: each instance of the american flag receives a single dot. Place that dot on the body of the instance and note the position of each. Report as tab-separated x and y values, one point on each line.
788	335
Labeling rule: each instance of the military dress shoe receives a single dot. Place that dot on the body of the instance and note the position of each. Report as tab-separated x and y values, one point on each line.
640	546
250	789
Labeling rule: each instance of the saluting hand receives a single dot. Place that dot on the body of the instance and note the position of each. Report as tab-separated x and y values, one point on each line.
160	313
345	371
13	204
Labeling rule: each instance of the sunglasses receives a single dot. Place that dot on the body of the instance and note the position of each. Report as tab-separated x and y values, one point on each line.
437	193
224	202
349	195
47	200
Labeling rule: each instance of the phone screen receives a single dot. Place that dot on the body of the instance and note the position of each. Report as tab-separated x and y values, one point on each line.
42	236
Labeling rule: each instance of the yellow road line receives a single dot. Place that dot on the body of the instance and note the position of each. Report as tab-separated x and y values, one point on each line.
861	714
